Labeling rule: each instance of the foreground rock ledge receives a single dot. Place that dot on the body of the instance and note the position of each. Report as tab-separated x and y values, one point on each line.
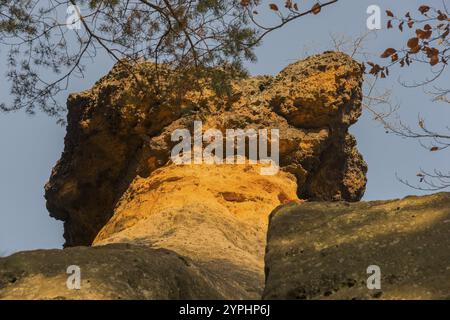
116	271
322	250
210	220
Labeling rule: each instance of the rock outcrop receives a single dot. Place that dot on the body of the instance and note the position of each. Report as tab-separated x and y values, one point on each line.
321	250
116	133
116	184
117	271
215	215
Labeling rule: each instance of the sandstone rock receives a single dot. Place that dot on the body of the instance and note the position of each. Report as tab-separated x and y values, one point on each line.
117	271
115	182
322	250
216	215
116	133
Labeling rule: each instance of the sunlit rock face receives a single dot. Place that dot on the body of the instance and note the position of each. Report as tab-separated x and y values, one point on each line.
116	135
117	185
215	215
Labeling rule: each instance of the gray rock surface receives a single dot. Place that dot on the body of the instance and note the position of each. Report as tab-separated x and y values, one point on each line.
322	250
117	271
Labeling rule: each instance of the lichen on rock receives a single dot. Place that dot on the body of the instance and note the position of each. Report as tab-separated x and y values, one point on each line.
322	250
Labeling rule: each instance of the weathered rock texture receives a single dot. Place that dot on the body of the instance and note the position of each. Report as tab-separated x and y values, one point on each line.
216	215
213	218
115	134
322	250
117	271
115	183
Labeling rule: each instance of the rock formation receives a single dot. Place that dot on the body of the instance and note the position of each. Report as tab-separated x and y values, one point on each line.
115	134
118	271
115	183
321	250
215	215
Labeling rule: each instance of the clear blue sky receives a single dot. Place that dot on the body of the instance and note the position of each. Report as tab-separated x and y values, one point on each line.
30	146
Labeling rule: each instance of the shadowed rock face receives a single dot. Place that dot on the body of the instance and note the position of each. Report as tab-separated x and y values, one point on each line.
117	271
116	134
322	250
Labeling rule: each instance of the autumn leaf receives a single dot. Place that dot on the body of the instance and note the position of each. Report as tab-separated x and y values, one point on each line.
434	149
424	9
442	16
375	68
316	8
431	52
413	51
389	13
421	34
389	24
413	42
388	52
400	26
273	6
434	60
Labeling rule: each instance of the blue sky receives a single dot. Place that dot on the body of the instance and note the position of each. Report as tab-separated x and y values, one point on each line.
30	146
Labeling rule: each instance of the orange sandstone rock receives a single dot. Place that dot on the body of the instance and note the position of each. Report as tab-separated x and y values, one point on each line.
117	134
